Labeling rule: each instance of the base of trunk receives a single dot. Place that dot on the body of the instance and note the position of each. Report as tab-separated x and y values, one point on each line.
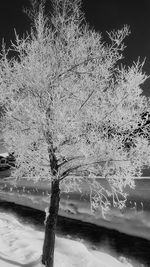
50	229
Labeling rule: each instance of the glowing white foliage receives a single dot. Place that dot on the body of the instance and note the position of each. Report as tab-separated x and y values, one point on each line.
65	88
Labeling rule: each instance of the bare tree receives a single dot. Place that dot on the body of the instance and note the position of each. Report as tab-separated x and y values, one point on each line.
62	93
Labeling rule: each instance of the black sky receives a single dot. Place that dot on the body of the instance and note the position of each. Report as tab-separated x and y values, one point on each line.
103	15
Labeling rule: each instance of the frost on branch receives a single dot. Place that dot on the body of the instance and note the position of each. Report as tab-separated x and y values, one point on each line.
66	93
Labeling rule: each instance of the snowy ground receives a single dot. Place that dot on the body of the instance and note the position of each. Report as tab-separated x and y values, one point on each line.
21	245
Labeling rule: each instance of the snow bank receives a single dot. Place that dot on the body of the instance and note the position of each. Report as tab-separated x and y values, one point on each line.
5	154
21	245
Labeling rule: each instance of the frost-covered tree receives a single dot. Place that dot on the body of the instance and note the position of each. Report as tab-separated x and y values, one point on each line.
62	92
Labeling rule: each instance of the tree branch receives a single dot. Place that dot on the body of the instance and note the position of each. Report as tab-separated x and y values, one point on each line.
115	107
85	101
75	66
66	160
67	172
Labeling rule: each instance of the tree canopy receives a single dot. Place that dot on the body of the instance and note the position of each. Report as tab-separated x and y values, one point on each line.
62	92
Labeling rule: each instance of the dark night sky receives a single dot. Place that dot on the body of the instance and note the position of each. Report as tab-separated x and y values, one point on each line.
103	15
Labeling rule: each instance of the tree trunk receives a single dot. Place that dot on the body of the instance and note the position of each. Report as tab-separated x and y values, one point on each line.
49	240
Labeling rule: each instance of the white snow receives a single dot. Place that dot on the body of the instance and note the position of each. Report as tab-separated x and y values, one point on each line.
5	154
21	245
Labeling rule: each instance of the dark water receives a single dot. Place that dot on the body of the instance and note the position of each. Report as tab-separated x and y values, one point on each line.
131	247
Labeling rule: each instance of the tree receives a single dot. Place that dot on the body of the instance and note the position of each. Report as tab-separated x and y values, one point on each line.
62	92
142	129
